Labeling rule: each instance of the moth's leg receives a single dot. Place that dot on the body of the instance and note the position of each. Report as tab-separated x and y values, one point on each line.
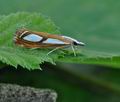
53	50
33	48
73	49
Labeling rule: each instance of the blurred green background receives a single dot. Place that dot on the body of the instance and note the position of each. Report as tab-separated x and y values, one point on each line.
96	22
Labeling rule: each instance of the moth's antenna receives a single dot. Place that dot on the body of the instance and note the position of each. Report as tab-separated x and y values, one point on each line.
73	50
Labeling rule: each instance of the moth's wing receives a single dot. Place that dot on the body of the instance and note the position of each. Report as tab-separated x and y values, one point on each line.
53	41
33	38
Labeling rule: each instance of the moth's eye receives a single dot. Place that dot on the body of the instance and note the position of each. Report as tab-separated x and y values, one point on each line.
75	43
78	43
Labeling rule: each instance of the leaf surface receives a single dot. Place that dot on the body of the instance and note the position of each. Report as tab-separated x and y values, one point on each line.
14	55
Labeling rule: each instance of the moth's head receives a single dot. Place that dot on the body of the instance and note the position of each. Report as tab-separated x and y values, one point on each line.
74	41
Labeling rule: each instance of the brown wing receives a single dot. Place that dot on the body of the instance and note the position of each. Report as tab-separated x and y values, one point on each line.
29	44
20	34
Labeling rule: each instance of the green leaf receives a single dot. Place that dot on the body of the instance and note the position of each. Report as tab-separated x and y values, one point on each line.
14	55
97	58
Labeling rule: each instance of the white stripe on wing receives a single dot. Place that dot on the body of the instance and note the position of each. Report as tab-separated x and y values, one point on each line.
53	41
33	38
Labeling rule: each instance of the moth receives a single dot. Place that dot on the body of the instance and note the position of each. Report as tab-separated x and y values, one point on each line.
33	39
